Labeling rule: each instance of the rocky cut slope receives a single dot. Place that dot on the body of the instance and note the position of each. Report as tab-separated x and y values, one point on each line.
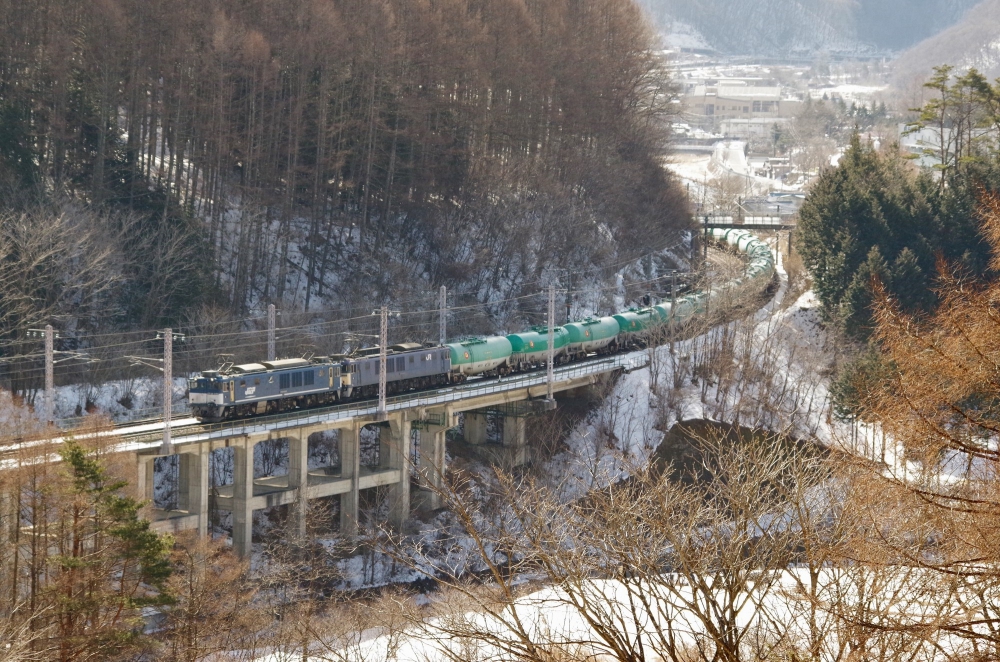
773	27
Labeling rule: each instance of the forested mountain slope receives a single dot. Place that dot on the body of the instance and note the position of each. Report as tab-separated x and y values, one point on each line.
775	27
320	153
973	42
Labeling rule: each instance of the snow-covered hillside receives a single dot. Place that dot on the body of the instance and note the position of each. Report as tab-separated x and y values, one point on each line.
973	42
805	27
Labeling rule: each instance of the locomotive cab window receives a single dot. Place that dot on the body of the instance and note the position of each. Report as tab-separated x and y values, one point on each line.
243	382
256	381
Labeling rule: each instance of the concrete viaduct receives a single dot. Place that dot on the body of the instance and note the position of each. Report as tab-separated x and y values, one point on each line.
430	414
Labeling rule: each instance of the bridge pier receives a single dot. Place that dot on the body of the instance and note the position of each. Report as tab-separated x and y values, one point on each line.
433	458
242	507
194	500
515	451
395	451
298	480
513	439
193	484
475	426
350	467
144	477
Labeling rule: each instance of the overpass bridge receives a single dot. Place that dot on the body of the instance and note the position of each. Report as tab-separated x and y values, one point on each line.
418	419
770	222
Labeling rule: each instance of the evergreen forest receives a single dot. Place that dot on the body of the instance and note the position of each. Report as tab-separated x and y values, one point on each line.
878	218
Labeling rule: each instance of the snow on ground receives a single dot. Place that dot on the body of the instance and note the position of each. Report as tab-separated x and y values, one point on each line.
788	345
731	155
690	166
121	400
862	94
783	613
785	342
700	172
681	35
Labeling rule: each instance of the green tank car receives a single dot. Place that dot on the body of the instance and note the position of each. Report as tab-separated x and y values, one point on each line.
478	356
532	346
591	335
637	320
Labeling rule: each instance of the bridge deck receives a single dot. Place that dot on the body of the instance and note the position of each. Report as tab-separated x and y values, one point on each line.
471	395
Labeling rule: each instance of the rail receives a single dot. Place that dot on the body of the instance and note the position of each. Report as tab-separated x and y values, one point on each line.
192	433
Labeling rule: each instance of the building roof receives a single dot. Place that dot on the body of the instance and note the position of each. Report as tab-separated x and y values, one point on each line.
760	93
742	92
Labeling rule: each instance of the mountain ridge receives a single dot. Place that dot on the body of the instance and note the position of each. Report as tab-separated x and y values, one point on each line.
973	42
769	27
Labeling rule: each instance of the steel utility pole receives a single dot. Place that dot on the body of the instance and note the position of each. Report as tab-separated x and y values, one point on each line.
49	336
271	352
168	337
569	297
443	320
168	389
549	375
673	307
50	390
382	339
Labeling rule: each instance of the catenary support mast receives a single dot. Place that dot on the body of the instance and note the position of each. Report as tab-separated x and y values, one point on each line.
549	375
443	321
271	351
168	389
382	340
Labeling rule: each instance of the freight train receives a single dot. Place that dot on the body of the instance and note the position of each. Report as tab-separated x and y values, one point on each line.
273	386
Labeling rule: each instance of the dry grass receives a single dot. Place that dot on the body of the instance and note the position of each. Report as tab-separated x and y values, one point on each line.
799	281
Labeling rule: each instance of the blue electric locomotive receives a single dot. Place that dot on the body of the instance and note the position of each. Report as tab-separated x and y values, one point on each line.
274	386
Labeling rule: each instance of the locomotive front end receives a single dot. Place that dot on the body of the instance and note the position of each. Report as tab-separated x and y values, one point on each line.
207	395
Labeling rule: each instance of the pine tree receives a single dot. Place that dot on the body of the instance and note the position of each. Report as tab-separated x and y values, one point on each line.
109	565
875	216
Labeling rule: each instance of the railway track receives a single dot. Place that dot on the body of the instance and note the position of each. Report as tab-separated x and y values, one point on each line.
147	433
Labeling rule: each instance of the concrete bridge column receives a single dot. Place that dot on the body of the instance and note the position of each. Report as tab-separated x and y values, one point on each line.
514	439
350	467
395	449
432	463
144	477
242	497
298	478
192	484
476	425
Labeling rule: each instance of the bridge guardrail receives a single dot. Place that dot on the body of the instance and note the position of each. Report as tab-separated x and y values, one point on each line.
205	432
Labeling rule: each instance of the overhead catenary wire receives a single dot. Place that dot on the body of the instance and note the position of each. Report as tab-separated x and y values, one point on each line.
305	333
191	336
422	298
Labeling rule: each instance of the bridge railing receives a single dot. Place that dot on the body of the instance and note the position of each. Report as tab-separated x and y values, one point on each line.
468	390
